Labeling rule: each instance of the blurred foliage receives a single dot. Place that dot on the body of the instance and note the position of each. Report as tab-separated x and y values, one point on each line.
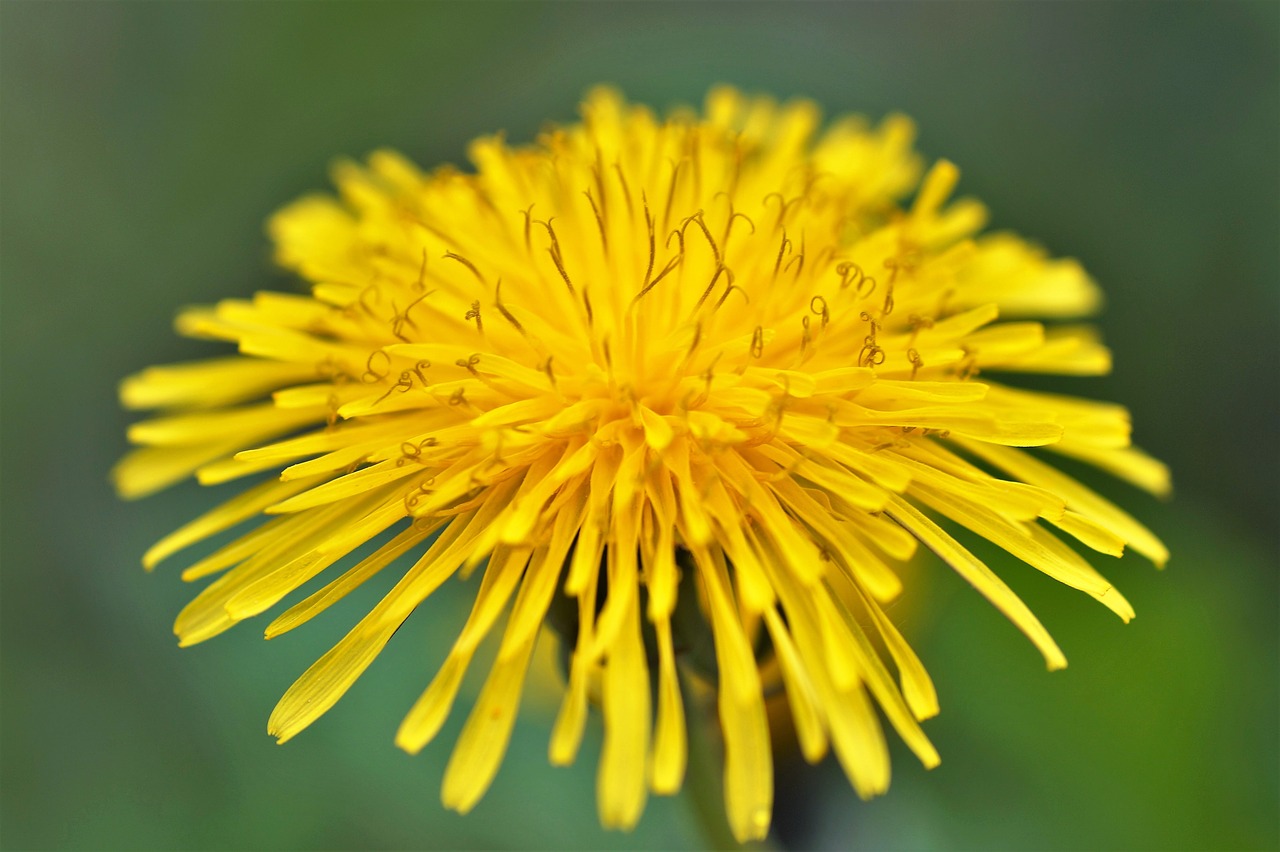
142	145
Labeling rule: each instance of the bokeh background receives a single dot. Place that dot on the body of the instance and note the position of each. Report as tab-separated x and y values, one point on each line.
142	146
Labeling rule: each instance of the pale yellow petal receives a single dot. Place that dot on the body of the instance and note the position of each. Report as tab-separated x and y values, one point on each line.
801	694
620	782
566	736
1128	463
320	687
748	768
268	590
431	709
1078	497
484	738
205	384
980	577
227	515
316	603
670	747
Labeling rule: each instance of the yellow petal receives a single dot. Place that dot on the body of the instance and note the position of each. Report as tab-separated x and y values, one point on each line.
748	761
1078	497
432	707
225	516
801	694
620	783
670	749
484	738
980	577
313	605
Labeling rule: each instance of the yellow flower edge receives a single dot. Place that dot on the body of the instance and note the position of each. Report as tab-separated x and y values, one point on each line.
639	357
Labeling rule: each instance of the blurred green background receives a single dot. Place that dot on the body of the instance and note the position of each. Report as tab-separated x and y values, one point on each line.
142	145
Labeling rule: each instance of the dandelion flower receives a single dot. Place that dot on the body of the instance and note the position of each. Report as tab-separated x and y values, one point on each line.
706	364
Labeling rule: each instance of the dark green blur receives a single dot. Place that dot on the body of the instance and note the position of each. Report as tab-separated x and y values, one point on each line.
142	146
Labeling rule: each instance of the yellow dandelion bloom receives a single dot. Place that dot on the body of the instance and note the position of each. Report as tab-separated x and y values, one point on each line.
704	364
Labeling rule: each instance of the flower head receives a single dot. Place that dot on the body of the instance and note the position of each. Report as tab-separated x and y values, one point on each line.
699	364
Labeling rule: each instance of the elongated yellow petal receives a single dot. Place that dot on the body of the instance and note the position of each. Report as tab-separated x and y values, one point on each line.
432	708
1090	532
873	673
268	590
240	549
219	381
320	687
748	767
313	605
207	615
980	577
566	736
1018	539
484	738
147	470
207	426
917	686
801	694
1078	497
1128	463
225	516
620	784
670	747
